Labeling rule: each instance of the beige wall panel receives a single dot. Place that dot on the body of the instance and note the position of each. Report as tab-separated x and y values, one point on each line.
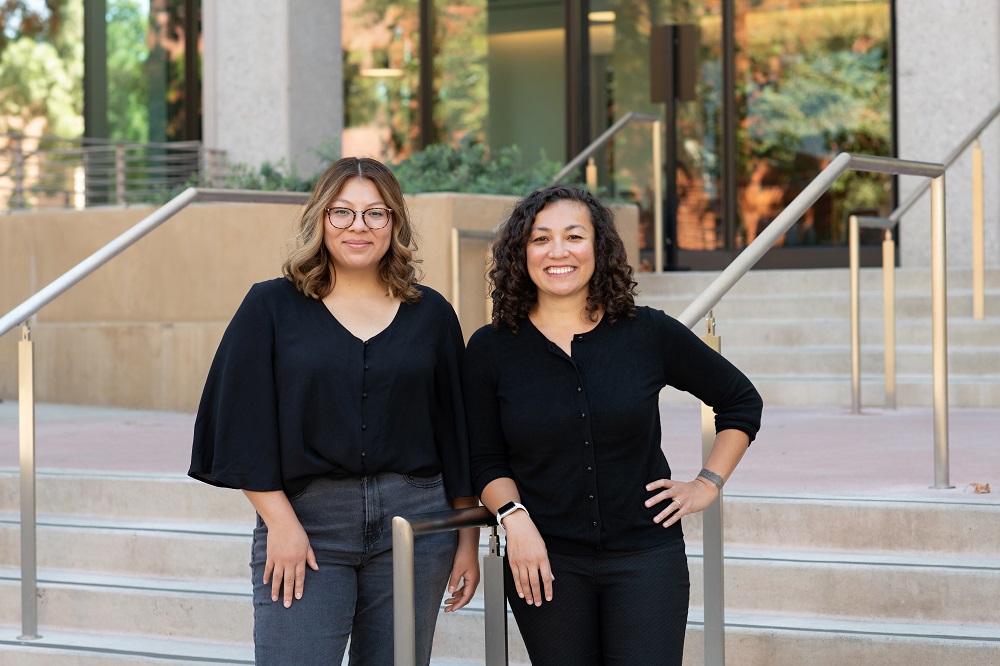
196	267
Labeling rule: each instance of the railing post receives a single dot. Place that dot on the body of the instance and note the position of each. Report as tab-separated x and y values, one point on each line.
854	251
403	595
939	332
17	197
591	174
657	197
978	235
456	271
889	316
26	423
120	174
494	604
713	568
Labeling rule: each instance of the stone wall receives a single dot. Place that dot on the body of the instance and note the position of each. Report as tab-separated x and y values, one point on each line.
948	80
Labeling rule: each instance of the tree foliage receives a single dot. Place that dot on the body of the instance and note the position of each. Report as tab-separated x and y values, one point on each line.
128	85
41	66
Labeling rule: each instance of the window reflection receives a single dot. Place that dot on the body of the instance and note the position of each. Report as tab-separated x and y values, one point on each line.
381	77
813	80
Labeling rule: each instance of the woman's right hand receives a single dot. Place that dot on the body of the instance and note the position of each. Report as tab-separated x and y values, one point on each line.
528	559
288	553
288	549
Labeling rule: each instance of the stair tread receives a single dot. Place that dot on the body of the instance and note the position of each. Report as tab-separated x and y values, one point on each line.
841	625
131	645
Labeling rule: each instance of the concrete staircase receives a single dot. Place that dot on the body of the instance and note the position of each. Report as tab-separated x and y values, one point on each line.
789	330
151	569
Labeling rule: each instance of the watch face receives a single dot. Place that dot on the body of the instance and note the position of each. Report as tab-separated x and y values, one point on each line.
506	507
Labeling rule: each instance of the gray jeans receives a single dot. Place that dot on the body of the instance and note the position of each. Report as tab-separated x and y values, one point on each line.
349	523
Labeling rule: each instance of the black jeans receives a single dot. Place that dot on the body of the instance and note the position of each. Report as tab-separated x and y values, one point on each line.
609	609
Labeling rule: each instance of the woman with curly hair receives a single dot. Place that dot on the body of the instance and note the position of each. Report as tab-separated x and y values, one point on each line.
561	396
334	402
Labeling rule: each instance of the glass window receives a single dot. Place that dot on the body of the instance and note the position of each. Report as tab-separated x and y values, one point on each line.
381	78
461	71
813	80
527	81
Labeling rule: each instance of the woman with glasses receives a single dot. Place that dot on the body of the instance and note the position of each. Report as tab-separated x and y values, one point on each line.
334	402
561	396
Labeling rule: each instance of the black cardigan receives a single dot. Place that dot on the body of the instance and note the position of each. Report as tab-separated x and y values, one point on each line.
581	436
292	395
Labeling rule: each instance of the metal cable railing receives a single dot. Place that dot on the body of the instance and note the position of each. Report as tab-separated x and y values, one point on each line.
45	172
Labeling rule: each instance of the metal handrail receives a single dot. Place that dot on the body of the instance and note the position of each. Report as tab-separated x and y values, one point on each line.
655	142
403	593
605	136
948	161
102	256
888	224
26	406
939	315
774	231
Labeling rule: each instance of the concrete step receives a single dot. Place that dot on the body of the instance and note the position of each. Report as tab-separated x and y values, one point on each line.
799	569
816	281
150	548
793	332
117	604
751	640
913	525
911	391
764	639
861	525
836	360
143	497
806	306
78	648
842	584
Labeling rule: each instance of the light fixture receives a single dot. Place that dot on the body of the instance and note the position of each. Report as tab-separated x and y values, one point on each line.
601	17
382	72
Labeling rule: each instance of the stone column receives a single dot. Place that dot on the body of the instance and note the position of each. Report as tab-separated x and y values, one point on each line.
272	80
948	79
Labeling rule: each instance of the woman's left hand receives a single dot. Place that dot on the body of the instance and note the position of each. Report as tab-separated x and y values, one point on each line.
684	497
465	570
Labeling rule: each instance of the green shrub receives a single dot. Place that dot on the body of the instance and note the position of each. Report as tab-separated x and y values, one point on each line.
471	168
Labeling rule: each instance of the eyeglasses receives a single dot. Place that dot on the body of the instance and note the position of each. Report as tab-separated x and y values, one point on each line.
343	218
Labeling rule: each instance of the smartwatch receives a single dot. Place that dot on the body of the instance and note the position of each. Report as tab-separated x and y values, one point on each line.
507	509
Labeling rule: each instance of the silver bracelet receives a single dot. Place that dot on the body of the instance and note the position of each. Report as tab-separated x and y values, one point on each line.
716	480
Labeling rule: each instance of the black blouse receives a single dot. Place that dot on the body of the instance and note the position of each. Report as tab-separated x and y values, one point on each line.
580	435
292	395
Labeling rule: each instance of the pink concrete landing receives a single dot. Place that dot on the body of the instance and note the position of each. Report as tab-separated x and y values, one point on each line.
800	451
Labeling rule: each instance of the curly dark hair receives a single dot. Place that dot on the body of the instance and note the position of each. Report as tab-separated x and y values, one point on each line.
612	287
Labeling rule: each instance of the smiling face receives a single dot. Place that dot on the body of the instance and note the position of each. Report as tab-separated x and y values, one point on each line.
560	251
357	248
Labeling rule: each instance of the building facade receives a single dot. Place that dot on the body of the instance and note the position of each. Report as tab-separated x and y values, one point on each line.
756	97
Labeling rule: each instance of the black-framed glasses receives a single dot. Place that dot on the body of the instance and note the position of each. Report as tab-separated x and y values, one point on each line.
374	218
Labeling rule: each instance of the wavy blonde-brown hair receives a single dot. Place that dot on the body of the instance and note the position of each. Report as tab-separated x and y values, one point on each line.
309	266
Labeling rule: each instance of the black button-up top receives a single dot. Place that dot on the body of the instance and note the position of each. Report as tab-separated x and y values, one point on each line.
580	435
292	395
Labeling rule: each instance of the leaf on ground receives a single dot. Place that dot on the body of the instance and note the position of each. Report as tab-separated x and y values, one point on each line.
978	488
